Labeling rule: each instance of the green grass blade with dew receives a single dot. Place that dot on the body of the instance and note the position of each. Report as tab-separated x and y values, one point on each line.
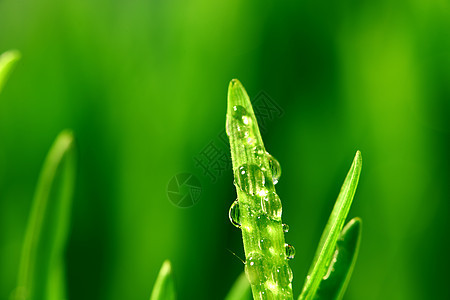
327	244
257	212
41	272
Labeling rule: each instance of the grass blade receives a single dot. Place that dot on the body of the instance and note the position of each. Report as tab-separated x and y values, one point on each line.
258	205
240	289
7	61
336	280
41	273
332	231
164	288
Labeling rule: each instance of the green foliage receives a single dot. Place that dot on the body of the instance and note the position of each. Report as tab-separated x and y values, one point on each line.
7	62
240	290
41	272
335	282
257	212
258	209
164	288
141	83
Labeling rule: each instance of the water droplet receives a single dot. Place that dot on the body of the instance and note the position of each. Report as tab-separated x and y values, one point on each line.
262	192
262	222
243	131
269	183
258	155
250	178
285	228
243	121
241	114
267	294
254	268
251	141
265	244
275	167
284	273
240	121
234	214
290	251
271	205
258	151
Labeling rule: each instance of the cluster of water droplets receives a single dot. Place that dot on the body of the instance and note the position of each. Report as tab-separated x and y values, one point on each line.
258	182
274	284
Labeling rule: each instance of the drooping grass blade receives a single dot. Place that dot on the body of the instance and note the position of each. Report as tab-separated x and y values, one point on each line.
41	272
327	244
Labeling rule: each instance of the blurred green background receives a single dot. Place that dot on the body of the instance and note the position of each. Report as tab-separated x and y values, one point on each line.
143	85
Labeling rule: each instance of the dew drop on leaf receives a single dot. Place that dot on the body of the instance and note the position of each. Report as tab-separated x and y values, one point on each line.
254	268
268	183
267	294
275	167
284	273
290	251
234	214
271	205
265	244
241	115
250	178
243	131
251	141
242	123
258	154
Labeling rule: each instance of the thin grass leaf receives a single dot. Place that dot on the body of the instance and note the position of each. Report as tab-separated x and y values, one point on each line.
257	212
7	61
41	272
240	290
327	244
164	288
335	282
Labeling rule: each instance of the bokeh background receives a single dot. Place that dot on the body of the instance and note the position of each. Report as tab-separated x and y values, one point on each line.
143	85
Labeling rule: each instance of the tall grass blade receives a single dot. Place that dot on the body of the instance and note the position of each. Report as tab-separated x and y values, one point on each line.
336	280
327	244
240	290
7	61
41	272
164	288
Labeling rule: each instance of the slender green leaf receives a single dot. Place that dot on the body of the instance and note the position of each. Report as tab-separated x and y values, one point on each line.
335	282
7	61
327	244
240	290
41	273
257	212
164	288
